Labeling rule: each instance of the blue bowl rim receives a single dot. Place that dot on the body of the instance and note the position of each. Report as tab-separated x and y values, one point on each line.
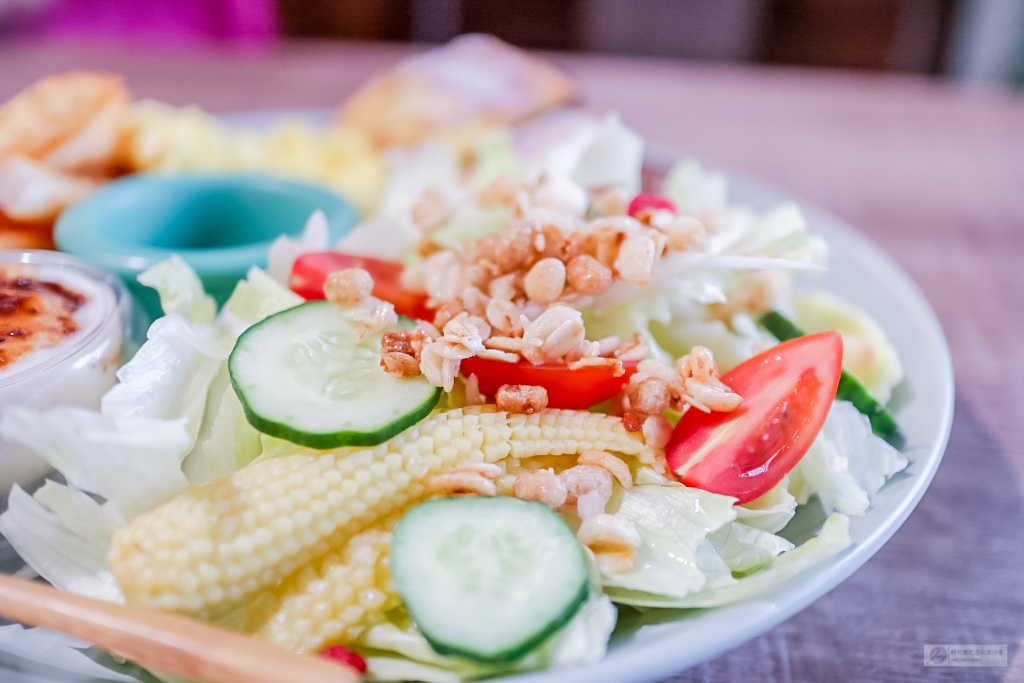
72	232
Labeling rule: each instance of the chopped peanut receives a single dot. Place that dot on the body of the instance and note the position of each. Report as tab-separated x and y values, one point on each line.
587	275
632	422
431	211
554	333
635	260
657	431
401	365
348	287
545	281
461	483
521	398
616	466
589	487
503	316
543	485
473	395
649	396
685	232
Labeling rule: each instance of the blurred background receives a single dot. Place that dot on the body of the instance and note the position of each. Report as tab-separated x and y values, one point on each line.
974	41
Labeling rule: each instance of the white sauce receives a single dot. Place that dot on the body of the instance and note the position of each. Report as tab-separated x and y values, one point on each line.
75	372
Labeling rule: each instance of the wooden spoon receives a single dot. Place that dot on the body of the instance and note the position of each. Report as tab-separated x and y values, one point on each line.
164	642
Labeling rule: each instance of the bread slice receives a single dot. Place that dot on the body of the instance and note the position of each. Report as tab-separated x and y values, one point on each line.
456	91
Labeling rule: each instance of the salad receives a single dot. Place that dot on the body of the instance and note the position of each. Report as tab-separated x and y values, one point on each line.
520	397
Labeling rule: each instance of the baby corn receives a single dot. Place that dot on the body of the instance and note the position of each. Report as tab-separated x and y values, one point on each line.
332	600
216	546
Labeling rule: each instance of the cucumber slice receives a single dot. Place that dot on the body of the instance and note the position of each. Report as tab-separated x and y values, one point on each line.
302	375
488	579
850	389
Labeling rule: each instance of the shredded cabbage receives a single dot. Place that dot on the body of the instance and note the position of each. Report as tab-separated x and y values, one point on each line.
252	300
180	289
614	157
745	548
674	523
772	511
57	543
691	188
833	538
494	156
284	250
846	464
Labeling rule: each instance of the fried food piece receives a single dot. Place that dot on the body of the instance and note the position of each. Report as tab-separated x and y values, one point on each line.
25	235
31	191
457	91
69	121
159	137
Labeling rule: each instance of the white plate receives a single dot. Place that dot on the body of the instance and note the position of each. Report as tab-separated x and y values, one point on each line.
661	643
658	645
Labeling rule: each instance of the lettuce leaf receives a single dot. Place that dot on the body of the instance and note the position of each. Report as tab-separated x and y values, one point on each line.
846	464
782	232
368	238
671	327
390	233
833	538
553	143
55	653
284	250
730	344
745	548
133	462
226	441
693	189
495	156
58	543
471	222
180	289
674	522
772	511
614	157
253	299
169	375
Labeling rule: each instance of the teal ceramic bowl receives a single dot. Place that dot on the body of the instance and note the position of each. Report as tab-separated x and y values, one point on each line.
220	224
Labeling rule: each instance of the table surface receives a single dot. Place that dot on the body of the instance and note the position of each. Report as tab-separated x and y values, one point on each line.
932	173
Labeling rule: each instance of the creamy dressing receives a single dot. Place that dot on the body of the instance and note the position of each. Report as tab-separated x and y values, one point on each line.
94	305
72	369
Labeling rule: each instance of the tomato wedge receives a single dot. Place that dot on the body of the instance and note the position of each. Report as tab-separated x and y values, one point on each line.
567	388
787	392
311	270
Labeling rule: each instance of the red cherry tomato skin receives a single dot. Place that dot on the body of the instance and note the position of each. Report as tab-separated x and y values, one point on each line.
311	270
340	653
642	202
787	392
577	389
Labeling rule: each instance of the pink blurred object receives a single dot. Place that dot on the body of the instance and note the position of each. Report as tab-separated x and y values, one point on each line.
167	22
